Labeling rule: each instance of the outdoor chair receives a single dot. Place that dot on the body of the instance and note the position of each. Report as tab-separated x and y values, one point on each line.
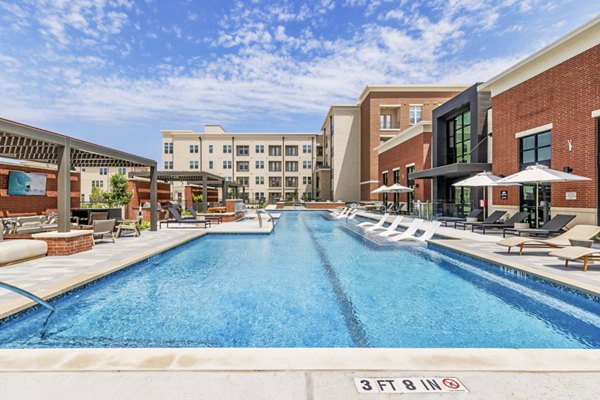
494	217
380	223
102	228
578	232
428	234
97	216
393	226
509	223
409	232
178	219
130	225
555	226
576	253
476	213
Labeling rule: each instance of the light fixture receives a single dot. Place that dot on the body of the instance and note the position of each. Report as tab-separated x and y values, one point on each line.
568	170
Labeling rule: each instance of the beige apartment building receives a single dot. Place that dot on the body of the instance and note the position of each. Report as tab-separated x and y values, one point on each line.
267	166
350	167
98	177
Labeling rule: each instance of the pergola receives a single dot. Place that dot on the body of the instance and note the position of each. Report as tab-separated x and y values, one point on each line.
200	178
23	142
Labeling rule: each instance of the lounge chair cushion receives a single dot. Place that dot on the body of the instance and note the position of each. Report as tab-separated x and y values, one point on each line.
21	249
573	252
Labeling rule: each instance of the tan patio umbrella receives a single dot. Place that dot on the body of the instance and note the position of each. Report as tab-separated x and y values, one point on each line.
482	179
538	174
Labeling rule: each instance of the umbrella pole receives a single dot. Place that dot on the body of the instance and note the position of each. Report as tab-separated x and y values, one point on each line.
537	203
485	188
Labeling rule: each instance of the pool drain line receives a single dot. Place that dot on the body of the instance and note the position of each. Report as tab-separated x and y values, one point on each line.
353	325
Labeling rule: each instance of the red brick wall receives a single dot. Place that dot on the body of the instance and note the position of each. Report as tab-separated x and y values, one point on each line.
69	245
323	206
416	150
11	206
213	194
370	130
141	194
565	96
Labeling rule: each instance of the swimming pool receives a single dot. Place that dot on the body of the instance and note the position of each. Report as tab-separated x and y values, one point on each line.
312	283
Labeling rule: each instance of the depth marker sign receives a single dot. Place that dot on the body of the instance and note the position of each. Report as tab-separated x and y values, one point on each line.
421	384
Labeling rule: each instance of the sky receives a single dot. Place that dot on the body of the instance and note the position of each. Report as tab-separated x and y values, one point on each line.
116	72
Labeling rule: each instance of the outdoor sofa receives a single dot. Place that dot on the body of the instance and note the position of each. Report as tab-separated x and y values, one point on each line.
15	250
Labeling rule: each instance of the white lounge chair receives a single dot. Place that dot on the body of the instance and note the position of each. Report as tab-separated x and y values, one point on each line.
391	228
345	215
353	214
340	213
409	232
380	223
428	234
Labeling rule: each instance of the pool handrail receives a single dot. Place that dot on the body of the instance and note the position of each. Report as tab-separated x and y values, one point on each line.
33	297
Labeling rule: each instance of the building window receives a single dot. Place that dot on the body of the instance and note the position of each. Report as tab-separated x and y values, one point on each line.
459	138
168	147
243	166
210	165
259	196
243	150
385	121
291	181
226	164
274	166
307	148
384	178
291	151
210	149
97	183
194	164
275	181
260	148
307	164
535	149
168	164
275	151
291	166
193	148
259	164
103	171
122	170
415	114
242	180
227	148
307	180
260	180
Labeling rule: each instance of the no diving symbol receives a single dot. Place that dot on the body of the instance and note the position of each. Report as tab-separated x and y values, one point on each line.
450	383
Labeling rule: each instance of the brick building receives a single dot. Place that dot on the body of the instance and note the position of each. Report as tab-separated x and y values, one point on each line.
14	206
400	156
545	110
352	132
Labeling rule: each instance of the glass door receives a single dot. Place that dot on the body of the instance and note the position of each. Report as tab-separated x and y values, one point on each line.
528	203
411	184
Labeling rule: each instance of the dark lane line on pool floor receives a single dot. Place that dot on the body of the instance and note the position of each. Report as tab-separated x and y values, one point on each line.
354	326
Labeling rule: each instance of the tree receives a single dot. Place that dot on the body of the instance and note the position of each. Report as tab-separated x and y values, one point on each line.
118	195
96	195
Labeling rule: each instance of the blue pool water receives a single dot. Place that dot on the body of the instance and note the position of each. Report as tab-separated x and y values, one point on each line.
312	283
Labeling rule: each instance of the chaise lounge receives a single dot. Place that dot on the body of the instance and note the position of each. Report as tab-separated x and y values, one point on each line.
578	232
555	226
178	219
509	223
493	218
576	253
476	213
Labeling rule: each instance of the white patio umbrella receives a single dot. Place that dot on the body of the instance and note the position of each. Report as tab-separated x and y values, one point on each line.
398	188
381	189
482	179
538	174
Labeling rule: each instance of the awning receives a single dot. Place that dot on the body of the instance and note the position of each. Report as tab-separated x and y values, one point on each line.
451	170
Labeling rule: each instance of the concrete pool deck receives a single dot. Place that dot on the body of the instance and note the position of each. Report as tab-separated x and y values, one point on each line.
274	373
